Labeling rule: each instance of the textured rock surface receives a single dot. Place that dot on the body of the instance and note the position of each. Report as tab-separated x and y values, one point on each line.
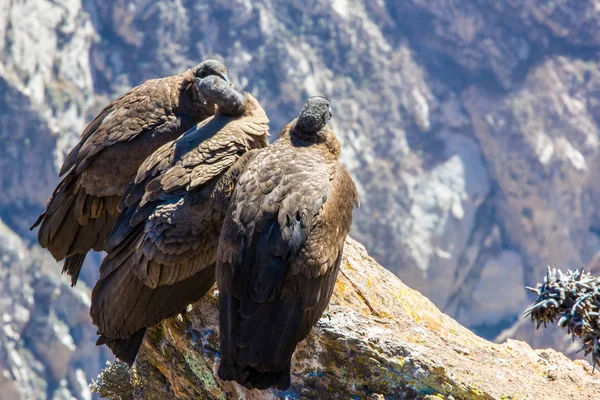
378	338
470	127
47	339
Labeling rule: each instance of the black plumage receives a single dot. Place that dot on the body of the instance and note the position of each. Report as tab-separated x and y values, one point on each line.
83	208
162	251
280	249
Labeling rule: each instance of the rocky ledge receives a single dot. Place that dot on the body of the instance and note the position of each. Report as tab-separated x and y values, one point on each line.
379	339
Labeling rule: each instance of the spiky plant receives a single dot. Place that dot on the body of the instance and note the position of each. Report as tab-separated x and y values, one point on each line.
572	299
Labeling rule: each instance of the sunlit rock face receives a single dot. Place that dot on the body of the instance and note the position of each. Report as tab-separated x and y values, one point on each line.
379	339
470	129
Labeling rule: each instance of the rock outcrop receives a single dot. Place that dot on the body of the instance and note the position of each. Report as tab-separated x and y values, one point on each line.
378	339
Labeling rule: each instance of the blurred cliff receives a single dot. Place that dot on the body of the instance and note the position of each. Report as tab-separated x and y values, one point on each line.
471	128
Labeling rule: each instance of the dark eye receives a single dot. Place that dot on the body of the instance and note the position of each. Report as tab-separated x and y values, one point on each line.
203	73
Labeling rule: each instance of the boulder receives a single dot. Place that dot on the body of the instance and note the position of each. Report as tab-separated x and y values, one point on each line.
378	339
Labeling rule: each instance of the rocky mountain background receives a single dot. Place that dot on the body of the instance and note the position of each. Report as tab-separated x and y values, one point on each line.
471	129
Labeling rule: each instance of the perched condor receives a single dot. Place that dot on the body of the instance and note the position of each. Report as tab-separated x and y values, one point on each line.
162	251
83	208
280	248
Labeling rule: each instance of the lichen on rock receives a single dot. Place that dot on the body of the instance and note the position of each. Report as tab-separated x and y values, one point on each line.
378	339
116	382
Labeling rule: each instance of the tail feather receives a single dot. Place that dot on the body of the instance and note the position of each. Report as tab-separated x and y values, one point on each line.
252	378
72	266
257	351
122	233
51	226
126	305
258	339
85	238
125	350
38	221
57	232
74	223
122	304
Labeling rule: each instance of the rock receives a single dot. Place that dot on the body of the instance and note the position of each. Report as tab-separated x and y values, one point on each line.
45	330
52	344
496	298
444	200
377	339
8	386
80	382
537	155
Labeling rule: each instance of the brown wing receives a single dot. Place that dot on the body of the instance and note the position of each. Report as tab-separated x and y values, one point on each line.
148	107
142	307
198	156
279	252
83	209
173	238
316	266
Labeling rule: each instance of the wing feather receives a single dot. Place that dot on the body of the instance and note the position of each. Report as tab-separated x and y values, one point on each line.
145	107
174	227
279	253
168	232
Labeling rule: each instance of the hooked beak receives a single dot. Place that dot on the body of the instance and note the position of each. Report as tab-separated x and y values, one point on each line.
330	113
226	79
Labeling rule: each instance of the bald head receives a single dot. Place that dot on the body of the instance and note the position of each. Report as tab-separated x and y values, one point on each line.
215	90
315	115
211	68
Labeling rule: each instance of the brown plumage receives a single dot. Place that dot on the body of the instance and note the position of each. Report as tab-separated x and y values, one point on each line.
280	249
162	252
83	208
